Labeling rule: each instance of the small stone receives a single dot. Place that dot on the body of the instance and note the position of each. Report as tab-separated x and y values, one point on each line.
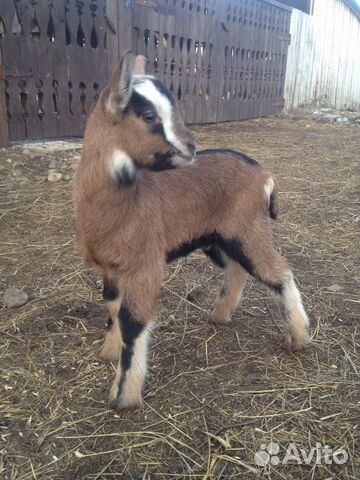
8	160
342	120
335	288
67	178
52	165
328	118
54	177
14	298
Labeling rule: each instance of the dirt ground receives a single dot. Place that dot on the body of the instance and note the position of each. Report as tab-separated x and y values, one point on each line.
215	396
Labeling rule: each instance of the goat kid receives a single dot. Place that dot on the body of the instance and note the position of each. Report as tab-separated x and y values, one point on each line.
135	211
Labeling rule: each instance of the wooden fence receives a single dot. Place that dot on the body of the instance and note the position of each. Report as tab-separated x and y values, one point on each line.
324	57
222	59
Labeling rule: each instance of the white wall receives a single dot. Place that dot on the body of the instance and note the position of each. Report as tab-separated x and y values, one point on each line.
324	58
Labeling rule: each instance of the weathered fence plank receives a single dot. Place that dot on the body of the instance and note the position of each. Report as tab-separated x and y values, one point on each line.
324	58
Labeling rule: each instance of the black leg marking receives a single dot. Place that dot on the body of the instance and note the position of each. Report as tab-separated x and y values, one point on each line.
214	253
234	250
130	330
110	291
213	244
277	288
205	241
109	323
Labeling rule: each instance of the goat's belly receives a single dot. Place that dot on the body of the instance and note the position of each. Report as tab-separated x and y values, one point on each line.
186	248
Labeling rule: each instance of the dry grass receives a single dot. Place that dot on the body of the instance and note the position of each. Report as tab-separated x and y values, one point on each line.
214	395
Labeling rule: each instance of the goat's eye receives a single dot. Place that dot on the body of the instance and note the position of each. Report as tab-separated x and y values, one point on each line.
149	116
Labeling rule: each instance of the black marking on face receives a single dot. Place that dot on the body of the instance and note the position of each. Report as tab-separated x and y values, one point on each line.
130	330
125	177
158	129
214	253
163	90
139	104
110	291
162	161
228	151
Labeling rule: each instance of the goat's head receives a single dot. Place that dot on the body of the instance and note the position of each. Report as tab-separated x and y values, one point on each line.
141	120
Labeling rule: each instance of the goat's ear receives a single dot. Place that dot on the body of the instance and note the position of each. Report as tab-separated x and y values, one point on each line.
120	85
140	65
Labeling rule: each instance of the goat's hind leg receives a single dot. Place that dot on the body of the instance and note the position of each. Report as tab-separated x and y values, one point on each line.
297	336
268	266
277	275
111	347
234	283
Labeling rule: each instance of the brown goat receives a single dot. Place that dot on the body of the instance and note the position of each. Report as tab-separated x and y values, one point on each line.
135	211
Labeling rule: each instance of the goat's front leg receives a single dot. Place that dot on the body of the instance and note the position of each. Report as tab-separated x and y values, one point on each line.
112	345
136	317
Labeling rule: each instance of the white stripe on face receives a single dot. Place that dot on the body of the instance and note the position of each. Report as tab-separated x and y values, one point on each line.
164	109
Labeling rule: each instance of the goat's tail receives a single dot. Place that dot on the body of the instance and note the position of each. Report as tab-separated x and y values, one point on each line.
271	191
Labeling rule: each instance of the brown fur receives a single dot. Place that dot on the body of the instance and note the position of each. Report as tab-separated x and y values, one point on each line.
127	232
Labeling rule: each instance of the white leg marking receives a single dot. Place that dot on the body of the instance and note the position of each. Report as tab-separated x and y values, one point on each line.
135	376
298	335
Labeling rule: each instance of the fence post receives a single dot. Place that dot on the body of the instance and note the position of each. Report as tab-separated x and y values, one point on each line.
4	128
119	19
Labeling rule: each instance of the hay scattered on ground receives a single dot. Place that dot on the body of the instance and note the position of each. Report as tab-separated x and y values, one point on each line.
214	395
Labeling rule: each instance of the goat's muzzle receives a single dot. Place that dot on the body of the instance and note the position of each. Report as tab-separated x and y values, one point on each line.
181	160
